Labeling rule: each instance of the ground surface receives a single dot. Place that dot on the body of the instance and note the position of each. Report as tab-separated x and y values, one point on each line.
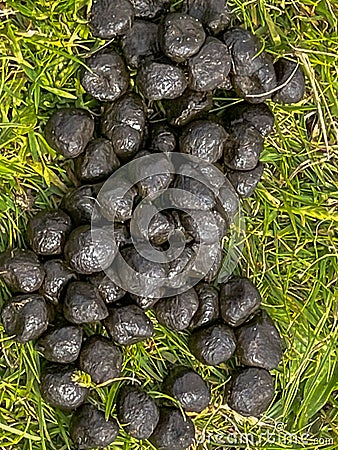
290	247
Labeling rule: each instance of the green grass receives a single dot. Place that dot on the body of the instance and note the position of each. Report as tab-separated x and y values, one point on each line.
290	246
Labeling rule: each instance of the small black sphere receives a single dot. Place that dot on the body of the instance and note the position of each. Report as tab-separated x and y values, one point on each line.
61	345
259	343
189	388
83	304
251	392
181	36
213	345
128	325
239	298
174	431
138	411
89	428
60	390
21	271
109	19
107	77
89	250
47	232
68	131
101	359
25	317
57	277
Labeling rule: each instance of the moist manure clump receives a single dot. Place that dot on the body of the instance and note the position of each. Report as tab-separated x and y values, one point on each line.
134	249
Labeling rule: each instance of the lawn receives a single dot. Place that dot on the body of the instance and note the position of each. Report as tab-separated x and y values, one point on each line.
291	241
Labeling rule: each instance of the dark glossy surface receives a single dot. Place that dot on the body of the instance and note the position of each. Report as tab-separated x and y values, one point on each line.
180	270
116	200
107	78
251	392
204	139
124	123
243	147
61	345
150	185
229	203
141	42
162	139
239	298
83	304
161	226
149	9
128	325
218	255
179	264
119	232
246	182
57	277
191	105
147	277
160	81
101	359
199	197
207	261
47	232
138	412
109	19
68	131
144	302
177	312
253	75
197	262
21	271
181	36
209	69
214	15
97	162
213	345
189	388
259	343
294	91
208	310
59	390
25	317
204	226
174	431
88	251
89	428
260	116
108	290
80	203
